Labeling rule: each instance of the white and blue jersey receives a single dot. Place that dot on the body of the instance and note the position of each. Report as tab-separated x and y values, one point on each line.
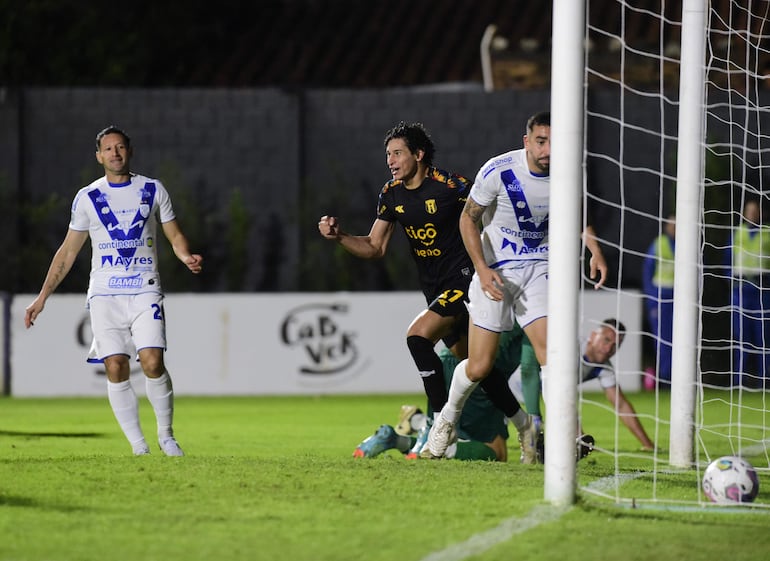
605	373
516	220
122	221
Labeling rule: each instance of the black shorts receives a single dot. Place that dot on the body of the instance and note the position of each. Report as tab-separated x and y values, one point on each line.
459	330
452	301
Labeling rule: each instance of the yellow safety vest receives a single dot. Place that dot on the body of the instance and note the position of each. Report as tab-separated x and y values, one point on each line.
751	251
664	263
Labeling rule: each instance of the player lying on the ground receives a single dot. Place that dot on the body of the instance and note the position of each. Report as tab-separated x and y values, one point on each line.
482	430
597	351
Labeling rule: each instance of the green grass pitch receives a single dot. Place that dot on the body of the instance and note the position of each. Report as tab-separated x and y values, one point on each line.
272	478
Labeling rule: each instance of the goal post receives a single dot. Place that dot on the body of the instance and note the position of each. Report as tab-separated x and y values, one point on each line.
567	118
689	204
675	120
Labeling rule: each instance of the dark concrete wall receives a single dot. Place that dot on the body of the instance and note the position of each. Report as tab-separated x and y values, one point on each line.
265	164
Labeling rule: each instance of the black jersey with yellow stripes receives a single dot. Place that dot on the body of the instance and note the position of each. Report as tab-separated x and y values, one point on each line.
430	218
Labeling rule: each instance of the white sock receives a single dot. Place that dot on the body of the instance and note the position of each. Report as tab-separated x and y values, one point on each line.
514	382
160	393
125	407
459	391
520	420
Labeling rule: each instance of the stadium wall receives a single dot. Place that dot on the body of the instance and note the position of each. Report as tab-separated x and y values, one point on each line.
257	344
282	158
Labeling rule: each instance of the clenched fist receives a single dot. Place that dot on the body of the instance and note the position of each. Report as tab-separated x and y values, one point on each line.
329	227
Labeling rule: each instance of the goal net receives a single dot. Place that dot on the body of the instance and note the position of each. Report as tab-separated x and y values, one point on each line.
705	397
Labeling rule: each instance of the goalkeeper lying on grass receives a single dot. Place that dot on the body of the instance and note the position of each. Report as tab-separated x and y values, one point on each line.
482	431
597	350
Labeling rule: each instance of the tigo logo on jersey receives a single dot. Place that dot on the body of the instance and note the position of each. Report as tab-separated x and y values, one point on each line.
426	235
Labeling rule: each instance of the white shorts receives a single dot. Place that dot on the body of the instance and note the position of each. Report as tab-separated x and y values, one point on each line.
525	298
125	324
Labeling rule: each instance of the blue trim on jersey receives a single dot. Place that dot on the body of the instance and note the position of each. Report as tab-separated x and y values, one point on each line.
518	261
594	372
522	210
126	184
111	224
506	160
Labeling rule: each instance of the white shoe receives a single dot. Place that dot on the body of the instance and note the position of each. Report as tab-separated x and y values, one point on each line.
141	449
528	442
170	446
441	435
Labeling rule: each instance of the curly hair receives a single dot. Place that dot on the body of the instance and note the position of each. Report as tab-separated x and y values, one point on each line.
416	138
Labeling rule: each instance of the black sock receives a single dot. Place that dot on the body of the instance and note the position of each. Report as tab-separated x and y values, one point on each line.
431	370
499	392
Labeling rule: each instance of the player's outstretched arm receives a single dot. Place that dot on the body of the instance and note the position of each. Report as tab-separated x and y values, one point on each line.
60	265
181	247
597	262
372	246
627	415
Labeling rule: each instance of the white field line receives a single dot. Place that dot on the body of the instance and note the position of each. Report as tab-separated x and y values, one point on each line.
479	543
540	514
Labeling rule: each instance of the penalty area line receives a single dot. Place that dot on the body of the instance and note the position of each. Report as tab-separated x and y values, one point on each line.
481	542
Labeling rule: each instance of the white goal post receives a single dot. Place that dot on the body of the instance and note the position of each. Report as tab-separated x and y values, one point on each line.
567	117
689	202
707	48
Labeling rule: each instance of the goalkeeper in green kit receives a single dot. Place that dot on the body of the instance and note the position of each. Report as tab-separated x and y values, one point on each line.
482	430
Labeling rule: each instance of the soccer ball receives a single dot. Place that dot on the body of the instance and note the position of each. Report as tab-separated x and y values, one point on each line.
729	480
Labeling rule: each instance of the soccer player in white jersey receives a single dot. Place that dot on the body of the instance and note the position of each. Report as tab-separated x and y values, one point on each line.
510	197
595	364
120	213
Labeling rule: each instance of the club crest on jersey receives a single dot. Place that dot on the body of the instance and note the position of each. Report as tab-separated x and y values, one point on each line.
430	206
144	210
514	186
